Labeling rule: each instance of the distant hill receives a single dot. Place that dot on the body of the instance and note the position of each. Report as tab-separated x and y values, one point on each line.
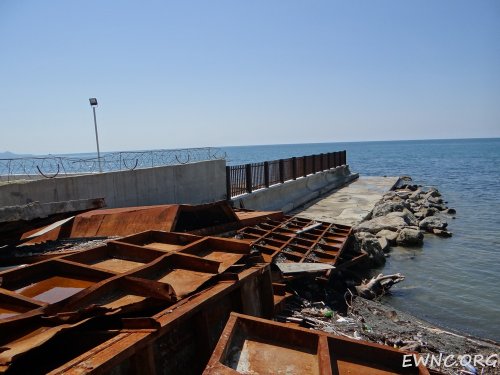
11	155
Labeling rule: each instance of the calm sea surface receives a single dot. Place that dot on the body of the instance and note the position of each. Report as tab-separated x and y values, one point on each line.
453	282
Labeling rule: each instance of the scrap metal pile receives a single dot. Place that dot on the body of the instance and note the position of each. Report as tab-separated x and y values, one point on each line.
157	298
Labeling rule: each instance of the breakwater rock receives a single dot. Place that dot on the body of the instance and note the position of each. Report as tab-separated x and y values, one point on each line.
401	218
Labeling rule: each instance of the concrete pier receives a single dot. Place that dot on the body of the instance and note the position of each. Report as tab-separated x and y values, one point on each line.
350	204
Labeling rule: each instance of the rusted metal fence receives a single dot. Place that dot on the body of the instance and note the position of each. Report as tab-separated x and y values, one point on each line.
245	178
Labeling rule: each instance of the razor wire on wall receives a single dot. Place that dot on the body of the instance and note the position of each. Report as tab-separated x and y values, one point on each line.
58	166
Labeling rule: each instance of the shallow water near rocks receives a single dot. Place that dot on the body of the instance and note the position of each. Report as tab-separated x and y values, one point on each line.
452	282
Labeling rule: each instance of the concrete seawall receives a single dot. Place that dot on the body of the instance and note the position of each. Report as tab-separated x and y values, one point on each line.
295	193
192	183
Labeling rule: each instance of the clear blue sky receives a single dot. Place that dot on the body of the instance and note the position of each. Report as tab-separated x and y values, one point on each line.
171	74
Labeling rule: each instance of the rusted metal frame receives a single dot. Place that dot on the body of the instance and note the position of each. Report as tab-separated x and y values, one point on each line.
115	249
315	243
306	254
110	354
16	278
103	358
356	356
321	162
173	238
294	168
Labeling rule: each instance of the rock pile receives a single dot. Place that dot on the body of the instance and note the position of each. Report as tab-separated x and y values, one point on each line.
401	218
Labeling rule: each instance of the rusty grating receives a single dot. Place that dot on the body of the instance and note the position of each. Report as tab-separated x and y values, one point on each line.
250	345
298	240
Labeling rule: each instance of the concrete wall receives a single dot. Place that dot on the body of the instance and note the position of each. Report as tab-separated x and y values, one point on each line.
193	183
295	193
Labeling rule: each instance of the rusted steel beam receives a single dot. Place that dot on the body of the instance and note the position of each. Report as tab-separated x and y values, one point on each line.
299	351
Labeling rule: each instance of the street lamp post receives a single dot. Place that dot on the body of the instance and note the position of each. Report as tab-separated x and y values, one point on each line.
93	104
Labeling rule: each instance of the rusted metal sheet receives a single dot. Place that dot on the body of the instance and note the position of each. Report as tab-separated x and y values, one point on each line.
129	281
204	219
297	240
178	338
162	241
250	217
250	345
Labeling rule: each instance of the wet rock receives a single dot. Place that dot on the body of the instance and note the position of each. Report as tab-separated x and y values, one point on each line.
392	221
442	233
451	211
410	237
389	235
432	222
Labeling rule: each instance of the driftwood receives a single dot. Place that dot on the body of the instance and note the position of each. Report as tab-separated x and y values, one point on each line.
377	286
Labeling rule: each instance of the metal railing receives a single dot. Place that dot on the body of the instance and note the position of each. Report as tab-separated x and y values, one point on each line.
246	178
58	166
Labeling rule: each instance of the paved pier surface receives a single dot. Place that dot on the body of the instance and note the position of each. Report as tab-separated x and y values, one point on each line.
350	204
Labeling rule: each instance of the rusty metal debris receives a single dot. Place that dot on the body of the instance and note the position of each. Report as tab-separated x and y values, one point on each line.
151	298
204	219
298	240
289	350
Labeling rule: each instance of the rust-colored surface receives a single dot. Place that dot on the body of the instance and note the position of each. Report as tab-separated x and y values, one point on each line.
250	217
204	219
155	300
119	280
297	240
162	241
250	345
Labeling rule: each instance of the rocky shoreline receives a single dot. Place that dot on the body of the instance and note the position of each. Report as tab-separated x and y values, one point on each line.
400	218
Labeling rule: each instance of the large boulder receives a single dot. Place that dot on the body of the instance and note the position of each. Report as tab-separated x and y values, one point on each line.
392	221
407	216
432	222
410	237
383	208
389	235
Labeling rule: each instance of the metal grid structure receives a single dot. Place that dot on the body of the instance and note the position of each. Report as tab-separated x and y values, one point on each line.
297	240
